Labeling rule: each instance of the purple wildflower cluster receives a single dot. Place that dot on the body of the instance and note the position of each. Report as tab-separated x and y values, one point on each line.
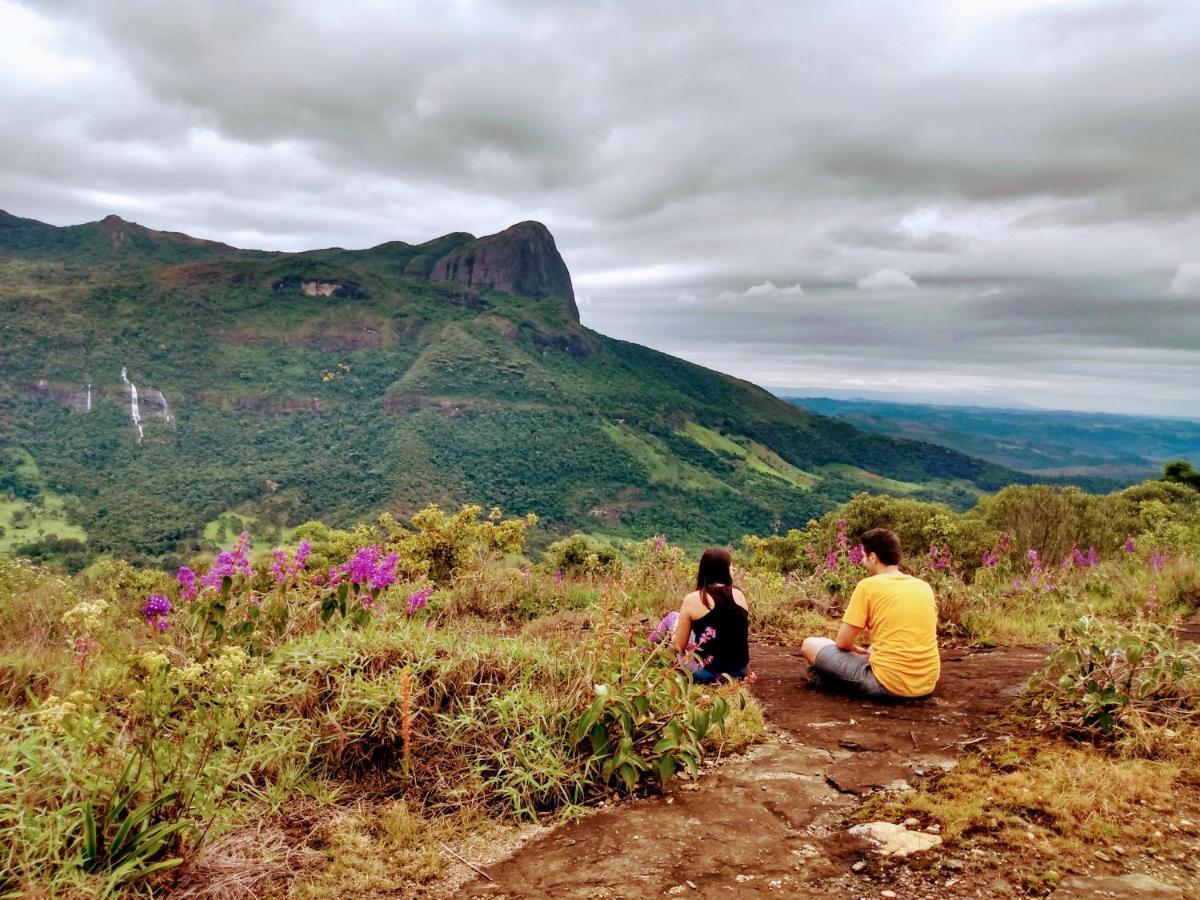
660	543
1039	577
368	569
1130	546
993	557
419	599
284	569
155	612
939	558
857	554
1158	559
1083	560
229	563
187	583
664	629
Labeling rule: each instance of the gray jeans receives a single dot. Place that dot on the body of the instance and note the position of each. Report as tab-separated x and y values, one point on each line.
852	670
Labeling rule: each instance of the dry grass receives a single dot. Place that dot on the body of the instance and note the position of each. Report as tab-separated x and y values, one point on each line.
1049	805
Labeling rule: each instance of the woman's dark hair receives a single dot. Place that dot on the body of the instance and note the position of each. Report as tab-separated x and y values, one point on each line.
713	578
884	544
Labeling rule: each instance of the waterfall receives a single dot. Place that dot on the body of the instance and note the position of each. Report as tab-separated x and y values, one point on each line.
133	404
89	398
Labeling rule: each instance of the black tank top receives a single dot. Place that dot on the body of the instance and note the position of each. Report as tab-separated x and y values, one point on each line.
729	651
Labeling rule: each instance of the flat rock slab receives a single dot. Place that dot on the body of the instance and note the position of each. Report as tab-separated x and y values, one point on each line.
976	687
740	828
1119	886
772	821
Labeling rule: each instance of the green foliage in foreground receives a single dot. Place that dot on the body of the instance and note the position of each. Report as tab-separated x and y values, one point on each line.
518	690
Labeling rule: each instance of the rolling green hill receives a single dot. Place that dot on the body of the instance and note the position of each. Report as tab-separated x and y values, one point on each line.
1100	450
277	387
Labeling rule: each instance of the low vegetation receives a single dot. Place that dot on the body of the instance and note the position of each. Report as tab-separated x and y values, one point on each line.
343	709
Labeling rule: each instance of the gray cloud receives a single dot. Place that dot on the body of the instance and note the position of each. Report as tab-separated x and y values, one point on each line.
1029	164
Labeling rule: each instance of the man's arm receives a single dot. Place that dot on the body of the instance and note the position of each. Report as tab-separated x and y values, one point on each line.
846	636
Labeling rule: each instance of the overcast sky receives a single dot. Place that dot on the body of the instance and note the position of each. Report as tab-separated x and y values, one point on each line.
954	200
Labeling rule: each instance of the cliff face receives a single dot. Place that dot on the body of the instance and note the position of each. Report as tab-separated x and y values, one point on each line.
522	260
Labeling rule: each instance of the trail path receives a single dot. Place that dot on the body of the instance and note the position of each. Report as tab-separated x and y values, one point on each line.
770	822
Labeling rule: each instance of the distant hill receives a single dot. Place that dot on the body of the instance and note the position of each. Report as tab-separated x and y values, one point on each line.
1097	448
271	388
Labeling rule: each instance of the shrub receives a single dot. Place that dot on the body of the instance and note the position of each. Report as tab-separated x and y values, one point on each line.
1121	683
579	555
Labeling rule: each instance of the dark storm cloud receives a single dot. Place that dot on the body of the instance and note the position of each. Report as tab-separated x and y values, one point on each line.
1028	165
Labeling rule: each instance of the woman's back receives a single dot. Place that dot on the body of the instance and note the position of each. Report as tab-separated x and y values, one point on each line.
722	631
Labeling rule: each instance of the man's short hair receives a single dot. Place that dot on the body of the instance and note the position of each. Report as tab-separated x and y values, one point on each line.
884	544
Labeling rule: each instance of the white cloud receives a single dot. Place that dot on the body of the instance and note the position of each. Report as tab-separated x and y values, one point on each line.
886	280
1186	282
766	289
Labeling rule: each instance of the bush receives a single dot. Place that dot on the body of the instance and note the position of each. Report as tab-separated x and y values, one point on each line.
1123	683
579	555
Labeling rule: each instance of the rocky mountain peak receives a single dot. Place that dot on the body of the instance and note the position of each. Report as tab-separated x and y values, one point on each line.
521	260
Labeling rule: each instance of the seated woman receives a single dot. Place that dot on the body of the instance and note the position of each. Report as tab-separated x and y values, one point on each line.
716	617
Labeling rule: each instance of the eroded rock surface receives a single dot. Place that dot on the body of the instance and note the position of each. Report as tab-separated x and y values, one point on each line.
772	822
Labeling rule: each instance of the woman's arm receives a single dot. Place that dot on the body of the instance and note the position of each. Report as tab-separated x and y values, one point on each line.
683	629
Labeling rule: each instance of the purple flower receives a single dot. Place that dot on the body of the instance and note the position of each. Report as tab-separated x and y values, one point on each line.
831	561
367	569
990	558
857	552
664	629
1130	546
706	635
1158	559
187	583
279	567
229	563
1084	560
558	577
419	599
660	542
156	610
282	569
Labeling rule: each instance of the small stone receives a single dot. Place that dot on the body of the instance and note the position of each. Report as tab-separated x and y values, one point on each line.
1118	849
888	894
956	864
692	885
775	884
1102	856
934	828
742	879
911	822
1186	823
858	866
677	890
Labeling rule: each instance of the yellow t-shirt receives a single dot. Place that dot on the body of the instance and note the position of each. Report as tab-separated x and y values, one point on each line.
901	613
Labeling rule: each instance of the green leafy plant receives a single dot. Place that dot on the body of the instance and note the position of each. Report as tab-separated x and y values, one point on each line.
122	838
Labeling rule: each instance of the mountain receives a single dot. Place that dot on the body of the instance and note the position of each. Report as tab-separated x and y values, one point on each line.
158	392
1102	449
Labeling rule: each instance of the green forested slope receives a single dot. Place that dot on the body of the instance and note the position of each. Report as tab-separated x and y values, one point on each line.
333	383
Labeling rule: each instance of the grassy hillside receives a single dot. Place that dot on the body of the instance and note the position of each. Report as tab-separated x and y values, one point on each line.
333	383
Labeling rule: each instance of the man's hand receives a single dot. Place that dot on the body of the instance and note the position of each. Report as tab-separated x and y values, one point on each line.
865	651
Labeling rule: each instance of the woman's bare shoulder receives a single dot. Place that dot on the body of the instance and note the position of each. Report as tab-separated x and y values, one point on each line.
740	598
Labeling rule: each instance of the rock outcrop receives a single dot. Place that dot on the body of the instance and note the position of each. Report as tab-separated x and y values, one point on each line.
522	260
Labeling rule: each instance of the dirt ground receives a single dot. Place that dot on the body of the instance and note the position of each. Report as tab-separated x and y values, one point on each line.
773	821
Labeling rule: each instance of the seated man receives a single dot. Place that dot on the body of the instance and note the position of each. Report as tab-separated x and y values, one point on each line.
901	614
